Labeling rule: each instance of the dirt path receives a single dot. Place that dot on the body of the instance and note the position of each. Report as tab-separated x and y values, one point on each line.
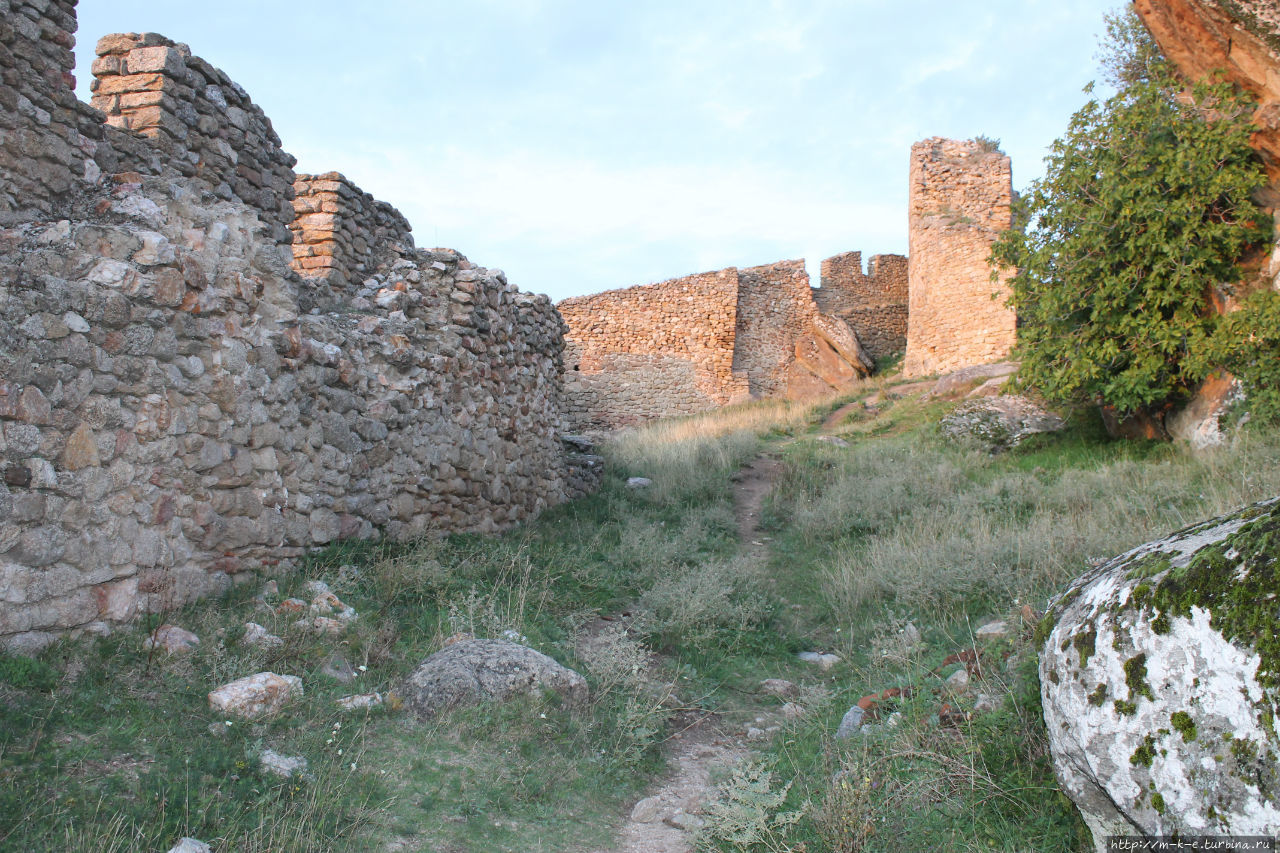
751	485
665	820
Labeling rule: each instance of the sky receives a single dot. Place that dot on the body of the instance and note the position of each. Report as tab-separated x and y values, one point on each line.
583	145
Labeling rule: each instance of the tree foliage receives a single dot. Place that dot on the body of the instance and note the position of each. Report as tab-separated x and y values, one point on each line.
1144	208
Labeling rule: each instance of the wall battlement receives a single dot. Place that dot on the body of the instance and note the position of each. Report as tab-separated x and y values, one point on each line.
179	409
874	303
339	229
198	119
960	200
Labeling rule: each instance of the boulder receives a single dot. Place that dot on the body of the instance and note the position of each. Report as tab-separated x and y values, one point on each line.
828	357
172	639
1160	681
1199	422
190	845
967	377
256	635
472	671
999	423
780	687
256	695
284	766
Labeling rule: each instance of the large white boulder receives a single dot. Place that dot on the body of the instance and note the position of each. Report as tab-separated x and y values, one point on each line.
1161	683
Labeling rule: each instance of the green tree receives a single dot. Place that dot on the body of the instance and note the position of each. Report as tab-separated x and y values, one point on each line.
1145	207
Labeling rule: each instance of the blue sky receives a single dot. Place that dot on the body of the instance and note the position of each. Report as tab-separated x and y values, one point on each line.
582	145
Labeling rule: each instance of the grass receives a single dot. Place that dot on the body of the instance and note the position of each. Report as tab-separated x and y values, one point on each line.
103	747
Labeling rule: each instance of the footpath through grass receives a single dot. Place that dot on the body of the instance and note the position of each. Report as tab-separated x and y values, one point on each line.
106	748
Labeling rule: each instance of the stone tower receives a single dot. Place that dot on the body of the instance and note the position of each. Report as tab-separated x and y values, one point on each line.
960	199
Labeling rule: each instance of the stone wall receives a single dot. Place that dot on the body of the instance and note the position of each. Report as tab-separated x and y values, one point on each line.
338	228
696	343
960	200
201	122
651	351
49	141
874	303
178	408
775	308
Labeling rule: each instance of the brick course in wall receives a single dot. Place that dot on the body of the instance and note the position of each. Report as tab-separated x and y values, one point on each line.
179	409
874	303
960	200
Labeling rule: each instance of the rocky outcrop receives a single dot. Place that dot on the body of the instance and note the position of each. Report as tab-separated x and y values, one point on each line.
1161	683
472	671
1240	39
999	423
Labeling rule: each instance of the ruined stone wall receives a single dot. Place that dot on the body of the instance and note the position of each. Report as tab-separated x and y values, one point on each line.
696	343
960	201
171	420
775	309
874	304
651	351
338	228
50	143
200	121
178	408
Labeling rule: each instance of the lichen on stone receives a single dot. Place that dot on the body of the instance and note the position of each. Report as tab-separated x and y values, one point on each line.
1237	582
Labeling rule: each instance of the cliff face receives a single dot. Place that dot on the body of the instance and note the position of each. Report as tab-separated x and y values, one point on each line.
1238	37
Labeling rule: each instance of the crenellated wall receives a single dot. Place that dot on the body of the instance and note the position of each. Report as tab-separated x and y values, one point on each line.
201	123
874	303
339	229
179	408
960	198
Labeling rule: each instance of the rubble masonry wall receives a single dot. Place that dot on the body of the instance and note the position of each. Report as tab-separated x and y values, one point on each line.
179	409
960	198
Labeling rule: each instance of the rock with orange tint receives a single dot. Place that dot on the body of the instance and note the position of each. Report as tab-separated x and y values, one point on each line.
256	695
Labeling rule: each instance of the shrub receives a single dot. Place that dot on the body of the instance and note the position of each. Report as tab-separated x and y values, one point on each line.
1144	208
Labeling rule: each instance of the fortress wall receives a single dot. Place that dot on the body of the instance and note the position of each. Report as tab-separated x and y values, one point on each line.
874	304
775	310
655	350
959	202
198	119
338	228
48	139
179	410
